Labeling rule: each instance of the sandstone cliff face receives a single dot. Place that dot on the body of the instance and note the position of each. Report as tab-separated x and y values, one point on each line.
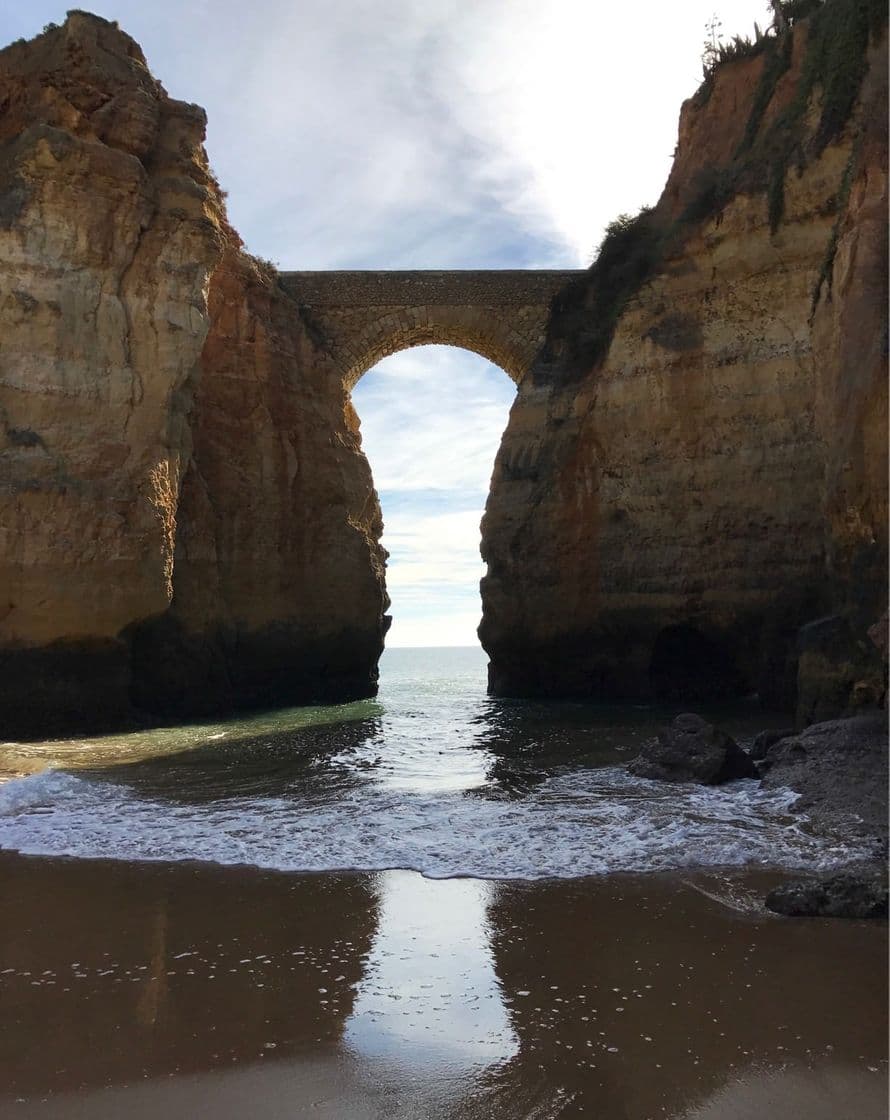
278	583
664	519
174	452
843	658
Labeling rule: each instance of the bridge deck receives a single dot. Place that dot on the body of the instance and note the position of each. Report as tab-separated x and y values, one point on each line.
477	287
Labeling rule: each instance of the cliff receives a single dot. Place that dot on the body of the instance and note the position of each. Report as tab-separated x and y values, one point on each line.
696	466
188	523
690	499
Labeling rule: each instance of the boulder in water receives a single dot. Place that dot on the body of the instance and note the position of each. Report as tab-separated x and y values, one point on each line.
766	739
692	750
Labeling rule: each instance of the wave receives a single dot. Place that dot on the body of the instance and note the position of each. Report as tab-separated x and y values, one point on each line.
588	822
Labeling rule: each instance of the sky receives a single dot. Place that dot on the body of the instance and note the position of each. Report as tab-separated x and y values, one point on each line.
427	134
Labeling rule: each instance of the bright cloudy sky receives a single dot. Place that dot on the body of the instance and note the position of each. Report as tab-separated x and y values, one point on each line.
427	134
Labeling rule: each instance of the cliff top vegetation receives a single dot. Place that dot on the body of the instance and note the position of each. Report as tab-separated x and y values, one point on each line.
585	313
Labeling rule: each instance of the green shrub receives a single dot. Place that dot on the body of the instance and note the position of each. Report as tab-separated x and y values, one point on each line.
776	63
716	53
585	313
775	195
742	47
836	60
713	188
267	266
835	63
827	270
794	10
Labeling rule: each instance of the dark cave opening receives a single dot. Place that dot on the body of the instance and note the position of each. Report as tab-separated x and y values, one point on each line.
689	665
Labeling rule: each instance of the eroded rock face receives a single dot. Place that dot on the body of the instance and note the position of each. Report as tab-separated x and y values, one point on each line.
839	768
850	352
278	580
839	668
138	347
665	519
846	895
108	235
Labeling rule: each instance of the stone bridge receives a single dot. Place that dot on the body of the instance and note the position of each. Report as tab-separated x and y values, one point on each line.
362	317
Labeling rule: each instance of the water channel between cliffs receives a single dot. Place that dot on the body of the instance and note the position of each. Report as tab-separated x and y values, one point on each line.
530	970
433	776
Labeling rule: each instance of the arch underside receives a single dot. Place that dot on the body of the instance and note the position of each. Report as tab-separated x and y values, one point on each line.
500	340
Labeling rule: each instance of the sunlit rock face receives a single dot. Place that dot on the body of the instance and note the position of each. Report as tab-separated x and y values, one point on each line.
664	519
168	433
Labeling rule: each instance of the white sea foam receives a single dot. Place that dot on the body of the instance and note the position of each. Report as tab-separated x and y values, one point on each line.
586	822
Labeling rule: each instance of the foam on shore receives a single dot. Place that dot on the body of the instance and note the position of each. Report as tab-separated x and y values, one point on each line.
588	822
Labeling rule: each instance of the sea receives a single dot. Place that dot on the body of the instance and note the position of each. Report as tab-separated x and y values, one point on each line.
433	776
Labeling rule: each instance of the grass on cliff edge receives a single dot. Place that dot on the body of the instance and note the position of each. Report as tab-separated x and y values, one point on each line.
584	314
588	308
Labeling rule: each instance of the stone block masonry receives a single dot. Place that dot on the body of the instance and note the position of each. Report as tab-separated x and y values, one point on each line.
362	317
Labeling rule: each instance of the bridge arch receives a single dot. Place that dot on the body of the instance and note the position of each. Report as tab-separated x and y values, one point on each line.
363	317
498	343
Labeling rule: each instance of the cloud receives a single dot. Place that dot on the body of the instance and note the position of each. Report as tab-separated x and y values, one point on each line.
440	551
431	422
431	419
426	133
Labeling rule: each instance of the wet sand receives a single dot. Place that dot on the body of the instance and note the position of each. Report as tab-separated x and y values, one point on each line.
147	990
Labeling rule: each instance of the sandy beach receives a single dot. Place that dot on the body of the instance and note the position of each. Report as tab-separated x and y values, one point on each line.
190	990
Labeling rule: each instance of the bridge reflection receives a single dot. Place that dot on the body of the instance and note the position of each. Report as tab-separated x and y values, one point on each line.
430	998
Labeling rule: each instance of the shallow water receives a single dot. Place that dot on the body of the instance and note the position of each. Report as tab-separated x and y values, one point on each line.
156	978
433	776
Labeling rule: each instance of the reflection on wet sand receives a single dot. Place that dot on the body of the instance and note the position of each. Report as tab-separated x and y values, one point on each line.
653	996
187	990
430	996
116	973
